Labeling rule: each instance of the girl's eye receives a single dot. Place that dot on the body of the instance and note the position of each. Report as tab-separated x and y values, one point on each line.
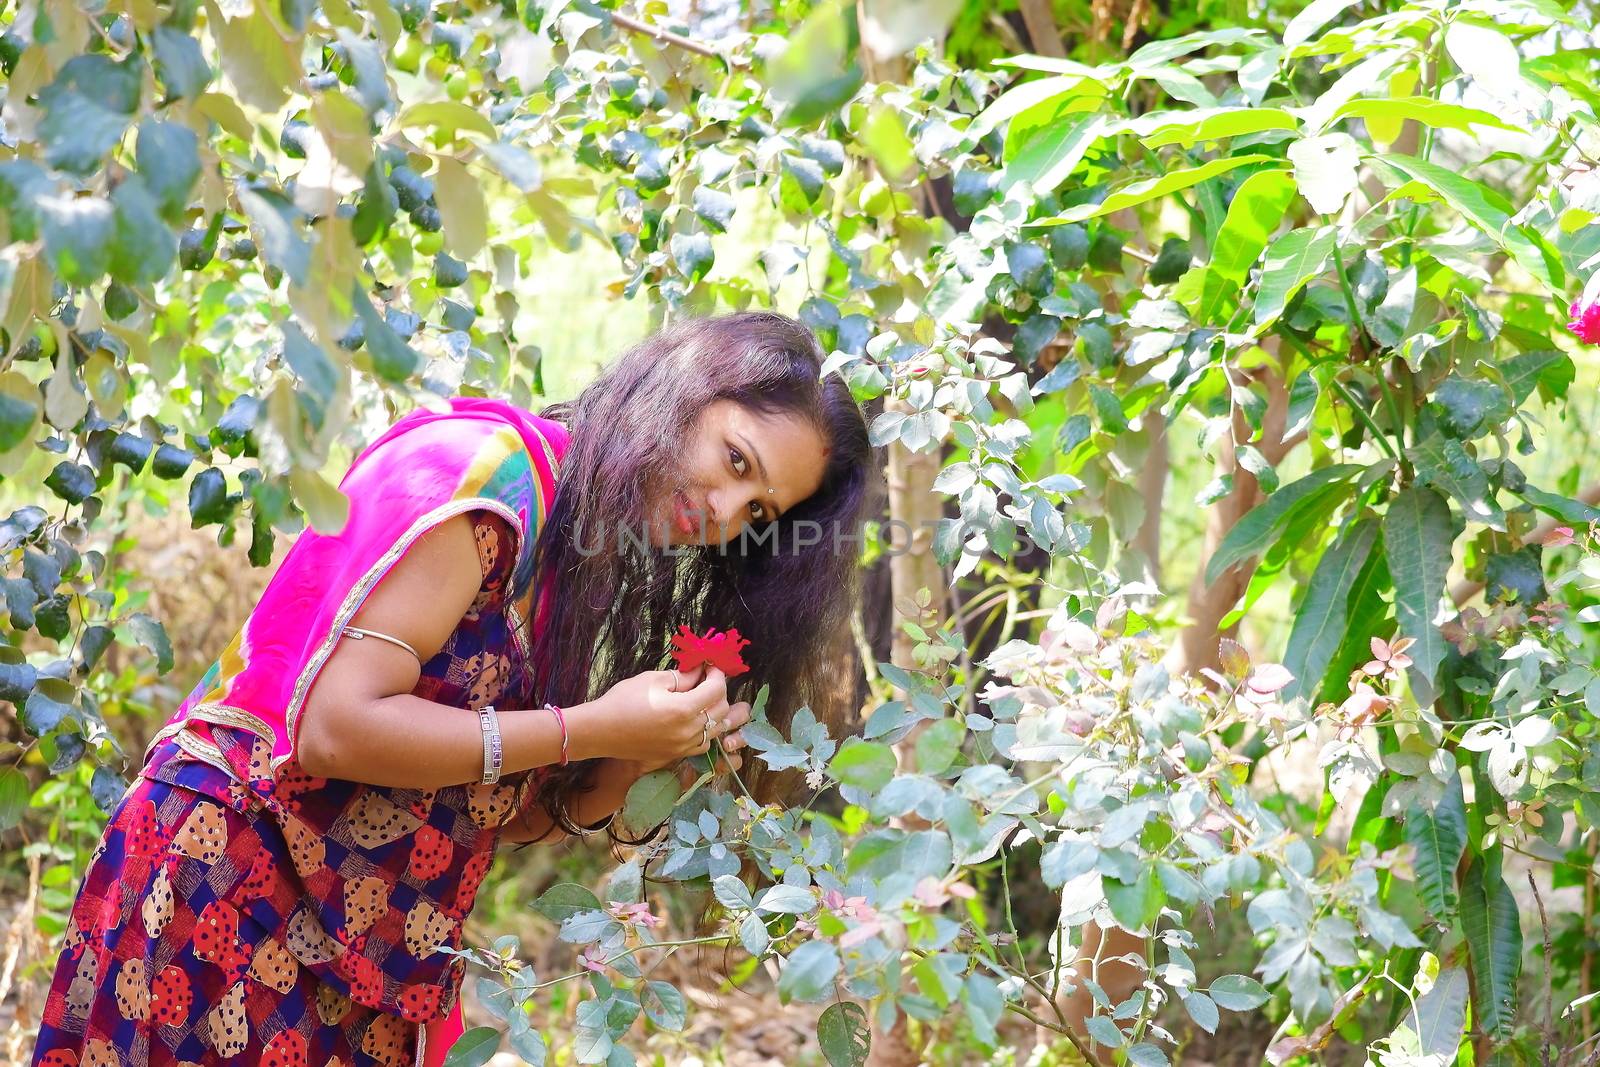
738	461
755	510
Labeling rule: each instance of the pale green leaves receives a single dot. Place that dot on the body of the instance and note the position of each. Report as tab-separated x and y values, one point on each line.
1147	189
460	200
1325	168
1485	209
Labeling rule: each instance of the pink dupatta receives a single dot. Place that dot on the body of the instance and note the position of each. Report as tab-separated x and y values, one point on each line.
427	467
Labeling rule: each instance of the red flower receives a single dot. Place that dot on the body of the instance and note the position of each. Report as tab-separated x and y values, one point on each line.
719	650
1586	322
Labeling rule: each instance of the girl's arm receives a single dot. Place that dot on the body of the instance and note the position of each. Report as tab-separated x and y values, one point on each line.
362	722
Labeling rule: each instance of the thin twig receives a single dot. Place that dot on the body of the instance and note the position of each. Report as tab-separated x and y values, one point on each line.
1549	994
668	37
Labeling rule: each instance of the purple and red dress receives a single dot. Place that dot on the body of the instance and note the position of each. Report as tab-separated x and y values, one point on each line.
238	909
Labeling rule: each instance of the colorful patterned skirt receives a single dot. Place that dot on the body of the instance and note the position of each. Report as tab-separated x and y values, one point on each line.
163	964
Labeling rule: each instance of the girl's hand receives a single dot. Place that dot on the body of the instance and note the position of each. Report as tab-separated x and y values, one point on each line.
656	718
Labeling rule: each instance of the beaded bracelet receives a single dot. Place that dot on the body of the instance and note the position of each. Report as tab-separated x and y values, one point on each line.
562	719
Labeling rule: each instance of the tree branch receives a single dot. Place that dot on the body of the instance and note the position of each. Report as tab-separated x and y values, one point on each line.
1042	32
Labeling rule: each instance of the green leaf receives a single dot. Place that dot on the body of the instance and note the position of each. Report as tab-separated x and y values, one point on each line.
20	411
1219	123
87	109
938	745
448	116
106	787
649	801
808	973
180	65
515	165
864	764
1443	463
715	207
1440	1015
1424	109
1473	408
277	221
1293	260
1051	153
1487	210
816	71
1439	837
1263	524
693	255
168	157
1549	368
1203	1010
843	1034
474	1048
1494	937
782	899
1417	536
564	900
50	702
144	247
1238	992
78	232
151	635
1311	18
315	371
1135	904
626	883
460	200
1140	192
1566	509
14	793
325	504
392	358
1319	621
664	1005
1257	209
258	60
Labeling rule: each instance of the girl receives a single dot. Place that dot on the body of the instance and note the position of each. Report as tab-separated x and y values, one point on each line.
473	658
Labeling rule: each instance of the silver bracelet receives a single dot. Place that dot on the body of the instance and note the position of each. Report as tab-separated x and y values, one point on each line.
489	723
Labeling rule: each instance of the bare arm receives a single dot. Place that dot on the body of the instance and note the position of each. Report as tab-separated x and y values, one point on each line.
361	721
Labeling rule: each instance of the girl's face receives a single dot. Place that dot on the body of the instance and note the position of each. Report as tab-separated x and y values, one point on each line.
738	468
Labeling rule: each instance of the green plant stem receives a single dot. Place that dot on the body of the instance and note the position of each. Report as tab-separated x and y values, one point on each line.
719	939
1365	419
1426	147
1356	333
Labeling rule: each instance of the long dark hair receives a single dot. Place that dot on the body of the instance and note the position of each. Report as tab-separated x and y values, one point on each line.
615	605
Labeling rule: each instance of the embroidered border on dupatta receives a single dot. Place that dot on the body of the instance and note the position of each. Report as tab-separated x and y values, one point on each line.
358	594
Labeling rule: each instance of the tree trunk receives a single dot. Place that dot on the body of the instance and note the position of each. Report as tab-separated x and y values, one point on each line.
1043	35
1210	603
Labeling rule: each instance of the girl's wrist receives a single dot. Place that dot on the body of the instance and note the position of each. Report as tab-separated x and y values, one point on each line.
586	730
